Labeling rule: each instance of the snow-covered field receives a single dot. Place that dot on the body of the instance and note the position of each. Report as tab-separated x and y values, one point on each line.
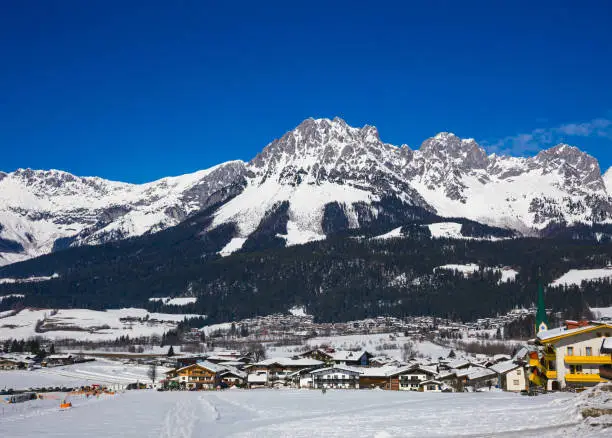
295	413
577	276
101	371
88	325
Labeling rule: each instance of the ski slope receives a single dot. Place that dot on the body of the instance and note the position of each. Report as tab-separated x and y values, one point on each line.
295	413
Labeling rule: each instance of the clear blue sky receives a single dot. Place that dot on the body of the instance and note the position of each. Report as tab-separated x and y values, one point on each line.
136	90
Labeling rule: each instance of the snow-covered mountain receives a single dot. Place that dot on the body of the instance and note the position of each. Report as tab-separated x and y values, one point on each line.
323	176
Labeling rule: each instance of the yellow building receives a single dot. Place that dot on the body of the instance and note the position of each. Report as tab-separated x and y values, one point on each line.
572	355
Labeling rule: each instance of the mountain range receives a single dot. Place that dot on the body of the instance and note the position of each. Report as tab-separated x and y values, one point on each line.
321	178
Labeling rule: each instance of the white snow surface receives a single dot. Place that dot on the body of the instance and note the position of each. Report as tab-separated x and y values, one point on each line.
446	230
28	280
298	311
467	269
178	301
297	413
232	246
577	276
396	232
602	312
88	325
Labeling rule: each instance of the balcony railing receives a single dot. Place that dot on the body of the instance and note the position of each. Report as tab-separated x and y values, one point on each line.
551	374
534	362
603	360
581	377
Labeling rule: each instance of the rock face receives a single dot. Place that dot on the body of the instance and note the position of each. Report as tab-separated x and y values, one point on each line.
326	175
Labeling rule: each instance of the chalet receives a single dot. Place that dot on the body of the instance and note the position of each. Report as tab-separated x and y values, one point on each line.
376	377
55	360
335	377
277	370
10	363
477	377
340	357
511	376
351	358
571	355
201	375
231	376
431	385
408	378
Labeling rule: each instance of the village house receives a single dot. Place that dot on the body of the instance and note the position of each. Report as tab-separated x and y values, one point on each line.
10	363
340	357
201	375
410	377
55	360
231	376
511	376
571	355
431	385
335	377
276	371
376	377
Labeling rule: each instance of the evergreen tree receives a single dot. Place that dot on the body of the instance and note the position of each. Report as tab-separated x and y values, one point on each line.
170	352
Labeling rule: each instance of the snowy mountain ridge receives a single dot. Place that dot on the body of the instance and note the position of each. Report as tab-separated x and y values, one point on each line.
321	177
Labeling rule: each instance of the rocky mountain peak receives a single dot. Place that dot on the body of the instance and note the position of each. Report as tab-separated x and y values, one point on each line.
446	146
580	169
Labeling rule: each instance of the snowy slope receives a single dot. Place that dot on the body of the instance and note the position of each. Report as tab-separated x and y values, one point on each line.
328	177
577	276
88	325
39	210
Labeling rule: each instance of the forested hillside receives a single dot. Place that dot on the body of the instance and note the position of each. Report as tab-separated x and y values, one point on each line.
342	278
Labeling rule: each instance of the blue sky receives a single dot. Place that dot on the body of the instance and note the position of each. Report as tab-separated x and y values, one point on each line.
137	90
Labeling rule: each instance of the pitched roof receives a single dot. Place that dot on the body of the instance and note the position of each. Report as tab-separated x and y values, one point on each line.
562	332
336	367
504	367
204	364
287	361
347	355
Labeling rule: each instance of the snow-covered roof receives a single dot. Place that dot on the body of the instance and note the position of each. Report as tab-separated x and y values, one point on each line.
480	373
338	368
205	364
347	355
378	371
59	356
234	371
287	361
413	368
459	363
504	367
563	331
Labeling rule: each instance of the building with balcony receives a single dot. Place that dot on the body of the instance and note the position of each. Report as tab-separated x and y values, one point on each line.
335	377
572	355
201	375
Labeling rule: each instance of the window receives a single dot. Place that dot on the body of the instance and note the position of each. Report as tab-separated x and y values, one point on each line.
570	351
599	334
518	372
589	351
515	382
